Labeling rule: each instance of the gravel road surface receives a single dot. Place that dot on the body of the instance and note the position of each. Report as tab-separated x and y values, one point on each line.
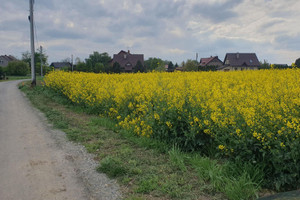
37	162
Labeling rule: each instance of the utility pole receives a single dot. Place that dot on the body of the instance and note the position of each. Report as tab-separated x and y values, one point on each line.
41	53
33	83
72	62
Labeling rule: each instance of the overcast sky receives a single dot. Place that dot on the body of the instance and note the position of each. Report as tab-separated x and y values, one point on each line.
169	29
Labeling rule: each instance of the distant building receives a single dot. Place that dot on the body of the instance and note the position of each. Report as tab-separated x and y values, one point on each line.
240	61
4	60
211	61
127	60
179	69
61	65
280	66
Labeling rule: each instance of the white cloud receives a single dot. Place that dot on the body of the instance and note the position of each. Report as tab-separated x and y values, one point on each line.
177	51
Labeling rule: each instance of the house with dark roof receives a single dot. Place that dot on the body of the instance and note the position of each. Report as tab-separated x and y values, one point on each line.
4	60
240	61
61	65
127	60
211	61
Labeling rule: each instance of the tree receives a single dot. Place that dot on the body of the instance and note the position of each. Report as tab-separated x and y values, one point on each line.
18	68
99	67
77	60
171	67
26	57
160	68
182	64
191	65
139	67
153	63
2	73
95	58
297	62
116	68
265	65
81	67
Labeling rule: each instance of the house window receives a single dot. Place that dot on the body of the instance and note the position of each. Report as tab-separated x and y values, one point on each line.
242	68
227	62
235	68
251	61
125	56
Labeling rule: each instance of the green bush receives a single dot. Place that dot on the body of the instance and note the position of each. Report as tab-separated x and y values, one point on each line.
17	68
2	73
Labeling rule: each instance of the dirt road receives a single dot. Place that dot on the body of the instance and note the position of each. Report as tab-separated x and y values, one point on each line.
37	162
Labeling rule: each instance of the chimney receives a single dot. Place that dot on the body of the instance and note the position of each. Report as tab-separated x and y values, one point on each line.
128	51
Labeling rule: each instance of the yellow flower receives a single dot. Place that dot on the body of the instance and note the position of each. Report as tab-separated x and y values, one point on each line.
221	147
282	145
169	124
212	102
156	116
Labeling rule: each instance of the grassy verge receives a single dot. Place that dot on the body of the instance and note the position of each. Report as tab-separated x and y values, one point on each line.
145	168
13	78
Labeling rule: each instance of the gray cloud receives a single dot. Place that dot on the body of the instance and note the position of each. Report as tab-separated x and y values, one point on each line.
60	48
288	42
267	25
168	9
14	25
60	34
218	12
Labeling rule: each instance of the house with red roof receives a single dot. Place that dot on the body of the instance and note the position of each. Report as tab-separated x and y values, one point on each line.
211	61
127	60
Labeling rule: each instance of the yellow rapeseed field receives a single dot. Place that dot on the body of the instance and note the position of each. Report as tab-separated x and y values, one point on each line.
254	115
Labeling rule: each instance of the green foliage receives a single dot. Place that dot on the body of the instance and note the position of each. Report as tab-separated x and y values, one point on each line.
154	63
237	181
265	65
81	67
171	67
2	73
112	166
26	57
148	184
96	58
191	65
116	68
208	68
297	62
99	67
17	68
66	69
177	159
139	67
160	68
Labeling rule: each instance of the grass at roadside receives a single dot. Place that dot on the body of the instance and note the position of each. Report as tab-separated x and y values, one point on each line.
146	169
13	78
